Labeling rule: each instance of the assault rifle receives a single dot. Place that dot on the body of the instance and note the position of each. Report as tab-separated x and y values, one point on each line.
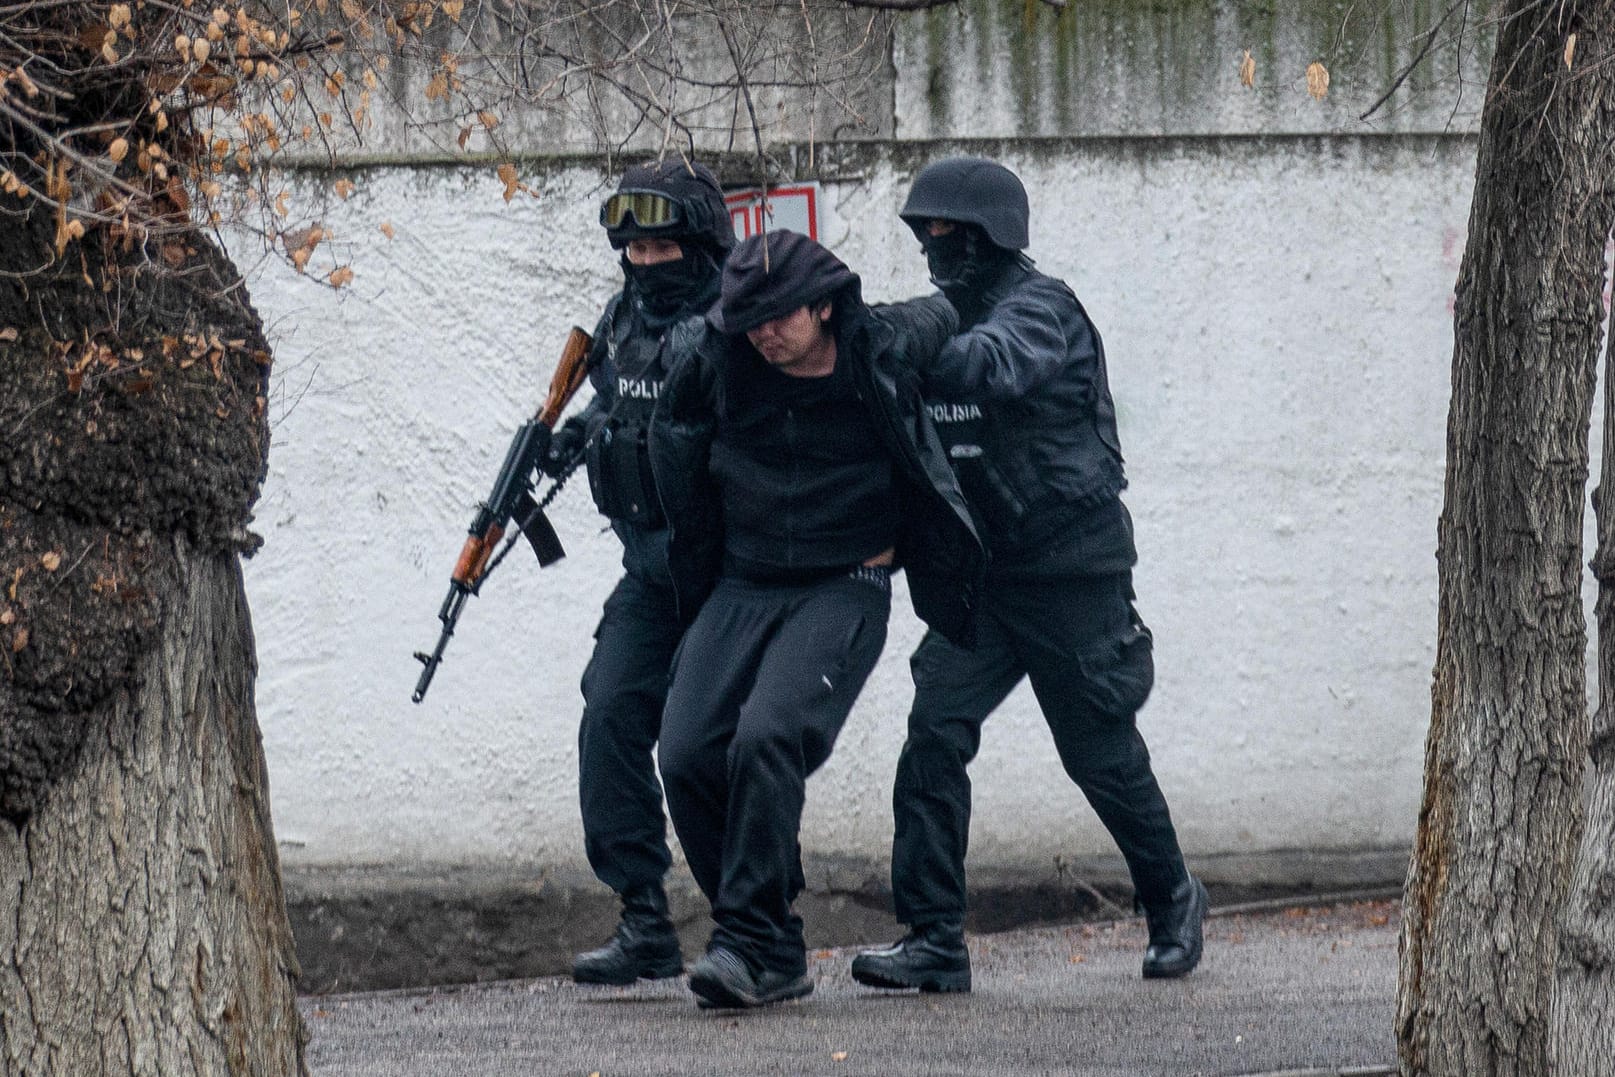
511	499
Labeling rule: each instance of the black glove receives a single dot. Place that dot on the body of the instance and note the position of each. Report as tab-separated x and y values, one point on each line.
565	446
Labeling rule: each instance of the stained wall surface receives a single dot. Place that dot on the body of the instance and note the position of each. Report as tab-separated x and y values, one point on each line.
1273	279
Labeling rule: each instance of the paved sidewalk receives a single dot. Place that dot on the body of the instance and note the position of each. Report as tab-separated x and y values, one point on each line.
1305	990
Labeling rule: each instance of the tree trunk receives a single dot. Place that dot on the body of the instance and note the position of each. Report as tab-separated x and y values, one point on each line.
142	925
1584	1005
1508	735
145	930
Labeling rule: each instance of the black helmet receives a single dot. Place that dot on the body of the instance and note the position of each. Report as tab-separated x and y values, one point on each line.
971	190
668	199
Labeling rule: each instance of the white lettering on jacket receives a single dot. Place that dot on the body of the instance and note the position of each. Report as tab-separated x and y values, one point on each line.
954	413
638	388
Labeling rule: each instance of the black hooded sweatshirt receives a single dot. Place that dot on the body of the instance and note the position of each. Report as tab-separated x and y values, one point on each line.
708	396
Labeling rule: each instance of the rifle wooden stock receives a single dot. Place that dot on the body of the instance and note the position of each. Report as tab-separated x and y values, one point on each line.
569	374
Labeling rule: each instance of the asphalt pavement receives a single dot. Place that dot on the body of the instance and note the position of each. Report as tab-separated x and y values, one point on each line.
1306	990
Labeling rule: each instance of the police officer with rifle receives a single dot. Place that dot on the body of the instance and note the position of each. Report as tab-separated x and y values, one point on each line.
669	221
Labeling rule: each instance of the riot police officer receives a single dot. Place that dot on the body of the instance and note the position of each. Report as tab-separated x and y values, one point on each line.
670	223
1021	399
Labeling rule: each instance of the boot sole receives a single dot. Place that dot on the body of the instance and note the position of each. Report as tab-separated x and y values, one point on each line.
664	970
938	984
713	994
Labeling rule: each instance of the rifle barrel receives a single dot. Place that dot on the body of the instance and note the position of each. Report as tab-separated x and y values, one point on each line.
450	616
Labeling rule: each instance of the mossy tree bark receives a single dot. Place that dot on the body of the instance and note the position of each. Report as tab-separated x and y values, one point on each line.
1508	737
143	928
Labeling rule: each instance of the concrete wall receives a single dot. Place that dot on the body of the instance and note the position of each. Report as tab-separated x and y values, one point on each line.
1273	281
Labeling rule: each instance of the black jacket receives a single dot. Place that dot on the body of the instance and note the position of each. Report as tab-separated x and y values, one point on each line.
1022	400
937	544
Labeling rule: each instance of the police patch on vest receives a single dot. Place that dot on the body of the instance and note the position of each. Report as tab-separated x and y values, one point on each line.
954	413
638	388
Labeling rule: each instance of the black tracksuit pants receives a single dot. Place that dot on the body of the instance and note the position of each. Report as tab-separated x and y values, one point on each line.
624	689
763	682
1064	635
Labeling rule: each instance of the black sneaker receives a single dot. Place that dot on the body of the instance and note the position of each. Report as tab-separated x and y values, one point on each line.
644	947
723	980
931	957
1176	935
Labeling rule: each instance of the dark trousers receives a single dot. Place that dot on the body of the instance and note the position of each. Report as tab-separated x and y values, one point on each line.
624	688
1066	635
763	682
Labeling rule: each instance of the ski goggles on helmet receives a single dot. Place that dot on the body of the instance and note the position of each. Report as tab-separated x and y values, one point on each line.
650	211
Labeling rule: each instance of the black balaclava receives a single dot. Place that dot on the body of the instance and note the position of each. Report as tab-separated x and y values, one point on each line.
963	262
667	291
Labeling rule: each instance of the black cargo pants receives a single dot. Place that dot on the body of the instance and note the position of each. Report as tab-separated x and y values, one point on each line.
762	684
1089	661
624	689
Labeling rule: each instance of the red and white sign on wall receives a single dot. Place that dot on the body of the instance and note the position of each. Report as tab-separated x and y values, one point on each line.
794	207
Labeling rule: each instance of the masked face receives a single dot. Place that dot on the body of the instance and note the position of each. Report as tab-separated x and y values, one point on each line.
948	255
667	287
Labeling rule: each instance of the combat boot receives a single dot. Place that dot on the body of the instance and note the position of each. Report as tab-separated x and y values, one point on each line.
725	980
644	947
1176	932
931	957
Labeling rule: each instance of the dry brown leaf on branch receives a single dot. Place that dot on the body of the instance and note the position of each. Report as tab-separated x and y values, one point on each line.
51	560
19	639
8	335
507	176
1317	80
1247	69
838	1056
387	230
488	119
343	187
1570	50
341	276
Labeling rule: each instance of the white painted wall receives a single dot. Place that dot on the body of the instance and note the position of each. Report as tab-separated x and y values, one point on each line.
1276	315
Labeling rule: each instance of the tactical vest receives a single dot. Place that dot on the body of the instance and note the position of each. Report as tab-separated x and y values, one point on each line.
618	456
1026	465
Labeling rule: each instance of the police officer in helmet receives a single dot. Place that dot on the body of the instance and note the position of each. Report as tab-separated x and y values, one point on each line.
669	221
1021	399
